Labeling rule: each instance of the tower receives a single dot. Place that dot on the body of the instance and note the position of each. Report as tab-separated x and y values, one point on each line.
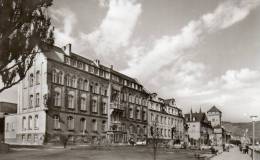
215	116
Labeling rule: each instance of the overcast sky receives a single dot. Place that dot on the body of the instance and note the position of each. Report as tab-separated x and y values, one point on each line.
200	52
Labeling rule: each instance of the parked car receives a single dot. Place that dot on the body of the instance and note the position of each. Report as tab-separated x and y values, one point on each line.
204	147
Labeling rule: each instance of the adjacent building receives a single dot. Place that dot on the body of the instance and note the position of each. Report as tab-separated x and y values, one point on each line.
165	120
220	135
6	108
199	128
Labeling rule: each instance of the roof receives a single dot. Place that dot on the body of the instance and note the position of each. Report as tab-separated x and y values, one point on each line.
199	117
214	109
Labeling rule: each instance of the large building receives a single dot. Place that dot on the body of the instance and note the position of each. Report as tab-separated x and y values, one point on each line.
6	108
199	128
66	95
165	119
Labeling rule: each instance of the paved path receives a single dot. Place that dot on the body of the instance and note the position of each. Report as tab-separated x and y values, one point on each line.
233	154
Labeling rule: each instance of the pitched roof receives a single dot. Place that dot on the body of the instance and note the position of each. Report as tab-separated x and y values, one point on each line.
214	109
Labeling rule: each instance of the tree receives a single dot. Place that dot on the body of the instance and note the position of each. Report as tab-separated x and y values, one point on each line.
155	133
25	29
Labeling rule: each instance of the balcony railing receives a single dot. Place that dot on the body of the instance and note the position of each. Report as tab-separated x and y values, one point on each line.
117	106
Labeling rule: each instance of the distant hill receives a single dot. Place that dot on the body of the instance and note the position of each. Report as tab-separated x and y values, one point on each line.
238	129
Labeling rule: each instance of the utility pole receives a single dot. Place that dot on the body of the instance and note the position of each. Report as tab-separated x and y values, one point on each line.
253	121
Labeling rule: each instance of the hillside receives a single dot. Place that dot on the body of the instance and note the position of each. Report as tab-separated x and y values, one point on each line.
238	129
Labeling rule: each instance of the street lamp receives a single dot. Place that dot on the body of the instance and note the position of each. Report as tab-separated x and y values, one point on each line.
253	117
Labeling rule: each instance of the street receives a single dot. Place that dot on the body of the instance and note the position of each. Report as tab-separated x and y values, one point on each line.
120	153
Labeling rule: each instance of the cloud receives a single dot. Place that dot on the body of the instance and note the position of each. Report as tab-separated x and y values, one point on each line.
169	48
64	34
116	28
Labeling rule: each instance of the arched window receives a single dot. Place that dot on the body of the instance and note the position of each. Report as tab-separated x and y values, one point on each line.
71	101
86	85
60	77
73	81
56	123
37	77
23	123
30	122
36	122
57	98
94	125
104	126
83	125
94	105
96	88
83	103
31	80
80	84
70	123
37	102
54	76
68	80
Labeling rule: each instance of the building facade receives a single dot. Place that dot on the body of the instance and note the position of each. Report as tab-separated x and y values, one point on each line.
220	135
66	95
199	128
165	120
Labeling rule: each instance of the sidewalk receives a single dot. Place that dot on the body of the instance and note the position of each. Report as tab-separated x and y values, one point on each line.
233	154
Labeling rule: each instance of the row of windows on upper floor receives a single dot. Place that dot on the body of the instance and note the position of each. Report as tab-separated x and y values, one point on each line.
71	102
166	120
83	127
102	73
159	107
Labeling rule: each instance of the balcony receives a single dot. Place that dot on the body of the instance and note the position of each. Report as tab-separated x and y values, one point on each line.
117	106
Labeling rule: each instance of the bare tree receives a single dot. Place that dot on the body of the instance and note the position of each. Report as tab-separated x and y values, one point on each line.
155	133
25	28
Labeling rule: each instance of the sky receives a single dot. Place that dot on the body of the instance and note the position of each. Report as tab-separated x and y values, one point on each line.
202	53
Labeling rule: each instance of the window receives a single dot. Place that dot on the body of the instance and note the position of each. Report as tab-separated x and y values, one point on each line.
94	125
80	65
30	123
68	80
94	105
36	122
23	123
73	81
31	101
145	130
37	77
96	89
70	123
103	127
57	98
83	104
104	108
83	125
144	115
56	124
85	85
37	100
91	88
80	84
138	115
67	60
131	112
31	80
71	101
152	117
60	77
54	76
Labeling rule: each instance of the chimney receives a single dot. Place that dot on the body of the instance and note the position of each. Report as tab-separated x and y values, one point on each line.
67	49
112	67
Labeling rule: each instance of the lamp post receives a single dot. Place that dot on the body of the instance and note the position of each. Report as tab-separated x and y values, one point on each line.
253	121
